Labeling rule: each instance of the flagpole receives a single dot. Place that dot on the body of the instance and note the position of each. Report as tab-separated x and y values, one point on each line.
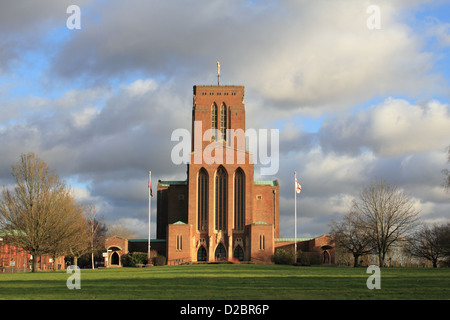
295	218
149	212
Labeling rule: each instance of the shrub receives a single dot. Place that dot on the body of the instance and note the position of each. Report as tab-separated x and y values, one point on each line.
310	258
159	260
135	258
282	256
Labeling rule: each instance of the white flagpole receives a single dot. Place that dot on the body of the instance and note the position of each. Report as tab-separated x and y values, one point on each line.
149	213
295	219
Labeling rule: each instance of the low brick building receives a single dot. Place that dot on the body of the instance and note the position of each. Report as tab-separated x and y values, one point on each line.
16	259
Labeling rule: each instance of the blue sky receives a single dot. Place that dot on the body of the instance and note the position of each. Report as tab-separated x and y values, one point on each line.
99	104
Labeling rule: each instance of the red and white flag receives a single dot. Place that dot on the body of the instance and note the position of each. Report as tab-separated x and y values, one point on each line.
298	187
150	183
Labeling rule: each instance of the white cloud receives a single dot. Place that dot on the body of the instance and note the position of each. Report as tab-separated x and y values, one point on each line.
82	118
392	128
140	87
399	127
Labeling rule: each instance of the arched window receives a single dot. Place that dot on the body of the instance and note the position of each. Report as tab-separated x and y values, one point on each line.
202	204
201	254
221	199
239	199
214	116
238	253
223	121
220	253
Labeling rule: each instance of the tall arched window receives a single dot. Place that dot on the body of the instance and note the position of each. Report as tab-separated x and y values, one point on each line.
223	121
239	199
221	199
220	253
238	253
202	204
201	254
214	116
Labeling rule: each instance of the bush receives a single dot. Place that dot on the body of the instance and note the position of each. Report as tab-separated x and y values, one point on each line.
310	258
282	256
135	258
159	261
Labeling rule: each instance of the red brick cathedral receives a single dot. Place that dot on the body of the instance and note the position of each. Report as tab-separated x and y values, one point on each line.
219	212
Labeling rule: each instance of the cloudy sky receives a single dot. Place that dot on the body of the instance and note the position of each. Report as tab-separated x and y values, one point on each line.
352	102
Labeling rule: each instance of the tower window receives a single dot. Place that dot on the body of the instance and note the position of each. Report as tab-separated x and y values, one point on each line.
202	200
214	116
223	121
239	200
221	199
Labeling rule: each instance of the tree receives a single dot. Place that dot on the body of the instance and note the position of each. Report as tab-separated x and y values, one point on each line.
69	226
430	243
349	236
95	231
120	231
80	243
387	214
30	212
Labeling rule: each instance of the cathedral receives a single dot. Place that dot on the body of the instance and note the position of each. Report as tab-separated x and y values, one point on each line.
219	212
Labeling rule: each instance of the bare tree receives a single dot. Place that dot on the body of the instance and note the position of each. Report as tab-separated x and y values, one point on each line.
69	225
80	243
29	212
96	232
120	231
349	236
430	243
387	214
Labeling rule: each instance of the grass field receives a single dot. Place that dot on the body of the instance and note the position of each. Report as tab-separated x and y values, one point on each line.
230	282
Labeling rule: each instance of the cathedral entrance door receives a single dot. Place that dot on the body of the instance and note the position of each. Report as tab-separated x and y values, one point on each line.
220	253
115	258
201	254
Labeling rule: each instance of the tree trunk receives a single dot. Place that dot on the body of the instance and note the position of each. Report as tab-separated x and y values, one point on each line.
355	257
55	267
34	264
381	260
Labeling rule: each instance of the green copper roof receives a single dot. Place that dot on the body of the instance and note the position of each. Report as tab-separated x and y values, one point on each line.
292	239
272	183
172	183
260	222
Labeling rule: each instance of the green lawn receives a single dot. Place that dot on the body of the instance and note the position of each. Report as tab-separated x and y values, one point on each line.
230	282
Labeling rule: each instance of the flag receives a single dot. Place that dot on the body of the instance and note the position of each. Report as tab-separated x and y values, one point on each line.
150	183
218	68
298	187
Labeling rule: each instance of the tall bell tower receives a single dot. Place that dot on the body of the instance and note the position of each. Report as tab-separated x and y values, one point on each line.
217	108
